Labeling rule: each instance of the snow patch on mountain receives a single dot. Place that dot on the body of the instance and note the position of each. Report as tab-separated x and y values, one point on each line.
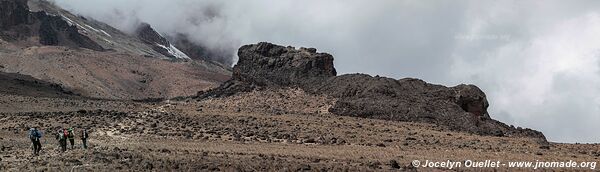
174	51
97	30
86	28
71	22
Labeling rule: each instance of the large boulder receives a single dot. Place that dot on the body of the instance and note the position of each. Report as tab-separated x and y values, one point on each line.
460	108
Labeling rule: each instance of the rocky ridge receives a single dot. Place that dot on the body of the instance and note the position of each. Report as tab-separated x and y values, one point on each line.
265	66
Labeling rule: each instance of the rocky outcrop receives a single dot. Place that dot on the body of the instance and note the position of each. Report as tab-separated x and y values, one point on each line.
149	36
13	15
13	12
17	22
471	99
265	65
54	30
460	108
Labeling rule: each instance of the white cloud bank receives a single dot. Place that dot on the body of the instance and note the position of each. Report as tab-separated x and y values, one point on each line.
538	61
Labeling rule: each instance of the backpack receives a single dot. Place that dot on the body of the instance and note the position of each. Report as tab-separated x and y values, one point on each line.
84	134
70	134
65	133
32	134
61	136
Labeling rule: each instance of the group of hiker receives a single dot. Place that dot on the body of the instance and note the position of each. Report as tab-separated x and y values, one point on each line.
62	135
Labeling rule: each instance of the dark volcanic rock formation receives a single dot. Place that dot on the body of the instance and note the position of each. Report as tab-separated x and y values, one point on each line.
149	36
266	65
14	15
13	12
18	23
53	30
159	43
460	108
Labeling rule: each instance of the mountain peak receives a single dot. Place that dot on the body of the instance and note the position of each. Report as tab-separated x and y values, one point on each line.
160	44
147	34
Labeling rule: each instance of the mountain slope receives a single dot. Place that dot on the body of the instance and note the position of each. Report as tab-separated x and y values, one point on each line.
93	59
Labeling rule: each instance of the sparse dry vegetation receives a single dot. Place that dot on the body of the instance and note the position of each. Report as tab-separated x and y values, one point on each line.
179	136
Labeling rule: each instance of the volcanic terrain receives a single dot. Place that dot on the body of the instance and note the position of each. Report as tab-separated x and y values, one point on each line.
153	107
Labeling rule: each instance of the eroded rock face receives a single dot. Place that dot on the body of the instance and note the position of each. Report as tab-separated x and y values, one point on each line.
149	36
17	22
266	65
13	13
471	99
53	30
460	108
269	64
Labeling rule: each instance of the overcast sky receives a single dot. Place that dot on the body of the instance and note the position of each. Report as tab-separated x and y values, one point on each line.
538	61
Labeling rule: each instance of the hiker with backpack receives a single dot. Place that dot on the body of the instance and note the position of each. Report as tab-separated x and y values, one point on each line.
84	137
62	139
35	135
71	137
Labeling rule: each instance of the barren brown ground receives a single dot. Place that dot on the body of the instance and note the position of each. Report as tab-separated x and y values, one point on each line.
220	134
111	74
